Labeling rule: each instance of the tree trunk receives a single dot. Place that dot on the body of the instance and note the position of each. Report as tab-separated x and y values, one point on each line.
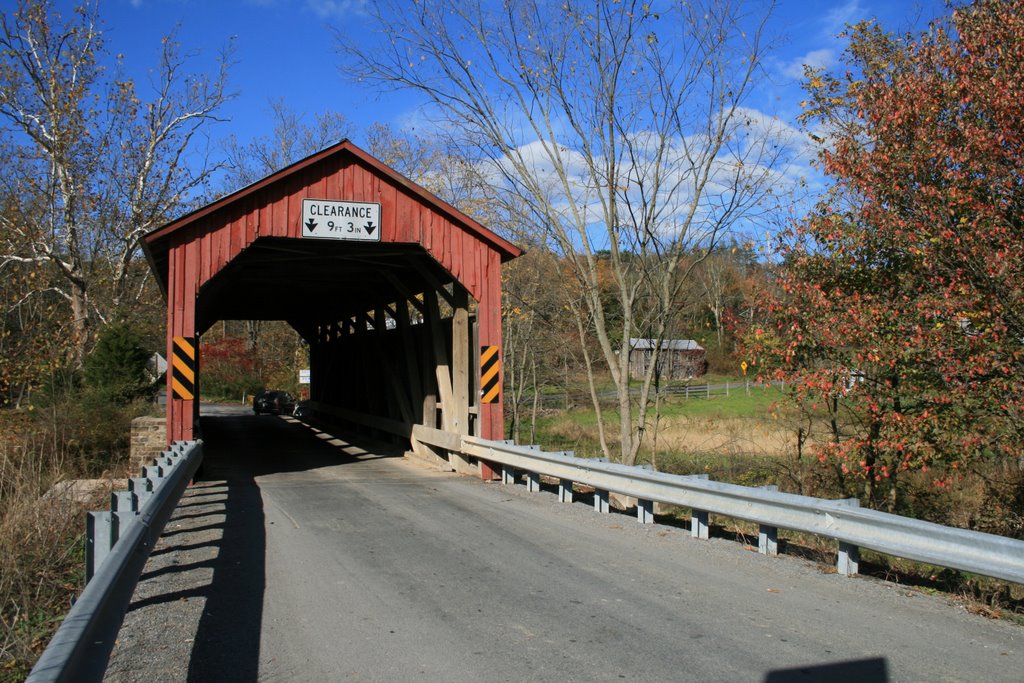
81	321
536	404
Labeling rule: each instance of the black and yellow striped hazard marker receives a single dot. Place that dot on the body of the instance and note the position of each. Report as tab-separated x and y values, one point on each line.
183	368
490	374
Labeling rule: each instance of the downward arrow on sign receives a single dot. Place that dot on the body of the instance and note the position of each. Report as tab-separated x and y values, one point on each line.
370	227
311	225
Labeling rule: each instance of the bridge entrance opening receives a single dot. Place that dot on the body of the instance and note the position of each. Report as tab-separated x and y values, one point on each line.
397	293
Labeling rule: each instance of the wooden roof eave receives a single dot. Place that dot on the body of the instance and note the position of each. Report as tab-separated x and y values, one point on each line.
154	242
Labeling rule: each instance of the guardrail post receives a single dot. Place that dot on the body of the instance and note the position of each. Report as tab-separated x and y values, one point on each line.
767	535
508	475
153	472
124	508
98	541
142	488
700	524
848	559
532	482
645	511
601	501
564	491
768	540
123	501
119	523
102	529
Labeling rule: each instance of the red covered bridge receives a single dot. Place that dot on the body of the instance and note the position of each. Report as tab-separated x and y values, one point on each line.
397	293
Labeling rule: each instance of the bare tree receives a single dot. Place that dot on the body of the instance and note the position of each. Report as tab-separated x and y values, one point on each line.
292	139
535	333
614	130
94	165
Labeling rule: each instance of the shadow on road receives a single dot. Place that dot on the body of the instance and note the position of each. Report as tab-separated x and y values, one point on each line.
872	670
238	450
227	642
213	552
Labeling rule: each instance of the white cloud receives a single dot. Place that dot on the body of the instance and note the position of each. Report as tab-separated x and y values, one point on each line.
335	9
818	59
661	188
830	25
836	19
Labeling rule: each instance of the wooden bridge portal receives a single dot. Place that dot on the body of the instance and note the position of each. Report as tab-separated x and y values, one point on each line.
397	293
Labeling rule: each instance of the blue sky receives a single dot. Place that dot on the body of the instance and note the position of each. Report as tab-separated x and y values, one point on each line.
286	49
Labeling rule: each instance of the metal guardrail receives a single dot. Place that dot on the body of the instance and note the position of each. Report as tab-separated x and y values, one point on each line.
842	520
80	649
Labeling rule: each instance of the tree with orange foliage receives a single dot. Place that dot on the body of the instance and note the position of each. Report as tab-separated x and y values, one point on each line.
899	311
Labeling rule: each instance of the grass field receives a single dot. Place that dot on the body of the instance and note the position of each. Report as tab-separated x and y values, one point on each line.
689	434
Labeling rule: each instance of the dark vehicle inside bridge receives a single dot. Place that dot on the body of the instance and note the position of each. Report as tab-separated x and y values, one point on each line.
273	403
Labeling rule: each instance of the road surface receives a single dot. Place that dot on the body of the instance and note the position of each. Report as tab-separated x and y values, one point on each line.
300	557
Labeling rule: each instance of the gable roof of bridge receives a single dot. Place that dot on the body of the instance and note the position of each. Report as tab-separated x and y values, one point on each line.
271	207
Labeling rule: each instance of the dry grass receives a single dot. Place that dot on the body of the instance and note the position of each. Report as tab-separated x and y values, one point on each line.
41	533
751	436
42	564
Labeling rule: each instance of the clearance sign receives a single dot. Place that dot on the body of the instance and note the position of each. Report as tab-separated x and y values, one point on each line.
325	219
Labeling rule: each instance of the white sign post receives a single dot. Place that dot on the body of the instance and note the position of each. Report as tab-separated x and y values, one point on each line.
327	219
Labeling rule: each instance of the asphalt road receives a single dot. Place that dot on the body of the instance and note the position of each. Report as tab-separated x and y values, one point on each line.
300	557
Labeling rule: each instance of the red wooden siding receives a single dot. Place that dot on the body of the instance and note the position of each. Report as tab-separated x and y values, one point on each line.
197	247
220	238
